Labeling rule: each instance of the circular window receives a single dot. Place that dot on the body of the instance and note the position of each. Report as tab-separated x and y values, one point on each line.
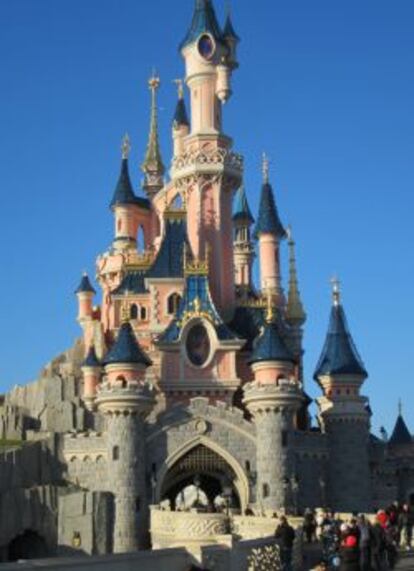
206	46
198	345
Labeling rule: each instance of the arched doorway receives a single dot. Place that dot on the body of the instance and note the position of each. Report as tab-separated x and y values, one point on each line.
204	465
28	545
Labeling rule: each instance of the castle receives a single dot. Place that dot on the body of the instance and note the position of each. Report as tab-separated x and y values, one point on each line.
188	374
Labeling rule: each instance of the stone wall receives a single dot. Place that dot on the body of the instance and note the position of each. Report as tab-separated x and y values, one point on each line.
85	523
85	456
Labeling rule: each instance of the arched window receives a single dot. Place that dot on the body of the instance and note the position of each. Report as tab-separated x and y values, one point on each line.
173	303
133	311
119	225
177	202
143	313
265	490
115	453
122	380
141	239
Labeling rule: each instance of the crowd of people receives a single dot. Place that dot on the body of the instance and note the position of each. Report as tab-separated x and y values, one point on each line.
361	544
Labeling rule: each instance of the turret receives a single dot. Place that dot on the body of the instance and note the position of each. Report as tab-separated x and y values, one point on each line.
91	370
181	124
85	293
153	167
126	400
344	415
209	61
124	205
242	245
269	233
273	399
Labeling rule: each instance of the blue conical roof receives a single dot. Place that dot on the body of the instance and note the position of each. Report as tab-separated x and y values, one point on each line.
85	285
169	262
204	21
124	193
400	435
126	349
241	211
91	358
339	355
268	220
228	30
180	115
270	346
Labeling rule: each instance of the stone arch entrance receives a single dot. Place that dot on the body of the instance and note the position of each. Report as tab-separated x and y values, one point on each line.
28	545
215	469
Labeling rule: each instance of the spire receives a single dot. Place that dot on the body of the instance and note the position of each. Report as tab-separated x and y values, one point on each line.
153	167
91	358
124	193
268	220
204	22
126	349
85	285
295	312
400	435
228	30
180	115
242	212
339	355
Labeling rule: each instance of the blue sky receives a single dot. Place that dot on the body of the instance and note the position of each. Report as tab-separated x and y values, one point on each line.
326	88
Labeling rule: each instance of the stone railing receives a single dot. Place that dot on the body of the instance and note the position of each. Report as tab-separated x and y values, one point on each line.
189	529
206	161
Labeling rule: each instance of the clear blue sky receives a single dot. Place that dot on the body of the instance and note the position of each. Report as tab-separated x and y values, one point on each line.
326	88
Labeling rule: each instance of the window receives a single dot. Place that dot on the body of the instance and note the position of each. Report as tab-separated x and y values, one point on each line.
137	504
141	239
115	453
247	466
284	438
119	224
173	303
133	312
143	313
265	490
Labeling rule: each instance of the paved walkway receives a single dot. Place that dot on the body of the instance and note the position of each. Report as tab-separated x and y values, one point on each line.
406	562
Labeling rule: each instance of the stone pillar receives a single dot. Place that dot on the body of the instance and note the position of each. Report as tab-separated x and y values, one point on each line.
274	407
126	408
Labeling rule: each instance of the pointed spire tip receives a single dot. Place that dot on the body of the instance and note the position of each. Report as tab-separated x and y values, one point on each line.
126	146
336	291
265	168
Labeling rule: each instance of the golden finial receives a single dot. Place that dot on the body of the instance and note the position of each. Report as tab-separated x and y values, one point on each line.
336	290
197	305
126	146
289	233
124	312
265	168
180	87
270	310
154	82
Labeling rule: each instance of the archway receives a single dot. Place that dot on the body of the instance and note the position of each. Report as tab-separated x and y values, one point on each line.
28	545
217	472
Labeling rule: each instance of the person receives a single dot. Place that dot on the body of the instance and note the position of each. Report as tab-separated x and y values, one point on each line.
349	548
285	534
405	522
309	525
322	566
365	537
377	544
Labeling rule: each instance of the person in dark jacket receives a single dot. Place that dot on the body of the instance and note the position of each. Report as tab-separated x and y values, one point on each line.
378	545
285	534
405	523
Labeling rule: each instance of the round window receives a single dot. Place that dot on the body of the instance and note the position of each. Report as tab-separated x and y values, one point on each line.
206	46
198	345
